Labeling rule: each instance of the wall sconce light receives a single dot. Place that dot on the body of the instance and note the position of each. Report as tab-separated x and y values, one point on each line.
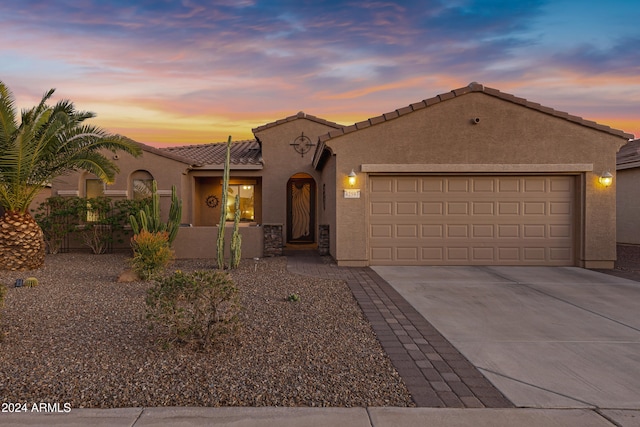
606	179
352	178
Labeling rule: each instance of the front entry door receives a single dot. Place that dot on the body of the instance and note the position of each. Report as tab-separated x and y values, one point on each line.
301	208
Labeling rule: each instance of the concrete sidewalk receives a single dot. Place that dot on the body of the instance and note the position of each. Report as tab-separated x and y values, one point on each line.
312	417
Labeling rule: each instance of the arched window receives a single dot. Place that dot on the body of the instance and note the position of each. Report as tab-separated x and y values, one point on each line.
141	184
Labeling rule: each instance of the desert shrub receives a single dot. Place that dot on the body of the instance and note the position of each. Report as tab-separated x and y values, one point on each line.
58	217
98	222
151	253
198	307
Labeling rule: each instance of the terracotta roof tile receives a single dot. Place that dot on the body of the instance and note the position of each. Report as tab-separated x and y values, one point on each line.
432	101
362	125
376	120
163	153
447	95
391	115
242	153
477	87
405	110
299	115
472	87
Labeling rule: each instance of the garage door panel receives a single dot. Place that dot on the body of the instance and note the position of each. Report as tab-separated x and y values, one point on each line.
432	230
381	208
407	185
432	185
406	208
482	231
559	208
407	230
482	208
457	185
508	208
407	254
458	208
499	220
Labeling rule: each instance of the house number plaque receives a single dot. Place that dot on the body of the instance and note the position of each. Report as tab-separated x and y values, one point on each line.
352	193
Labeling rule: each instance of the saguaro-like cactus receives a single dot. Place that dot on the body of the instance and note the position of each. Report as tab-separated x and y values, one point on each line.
236	238
149	217
223	208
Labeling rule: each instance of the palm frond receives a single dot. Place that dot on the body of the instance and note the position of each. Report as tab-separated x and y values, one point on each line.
49	142
8	123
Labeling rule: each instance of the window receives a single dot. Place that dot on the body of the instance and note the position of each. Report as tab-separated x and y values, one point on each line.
93	188
142	188
141	184
246	192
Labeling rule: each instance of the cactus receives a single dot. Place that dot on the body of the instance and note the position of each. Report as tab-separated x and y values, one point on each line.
236	238
149	217
175	215
30	282
223	208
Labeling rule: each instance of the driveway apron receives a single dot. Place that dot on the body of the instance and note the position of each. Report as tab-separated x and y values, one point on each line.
546	337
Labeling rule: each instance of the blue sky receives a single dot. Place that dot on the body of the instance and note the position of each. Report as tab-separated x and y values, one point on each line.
179	72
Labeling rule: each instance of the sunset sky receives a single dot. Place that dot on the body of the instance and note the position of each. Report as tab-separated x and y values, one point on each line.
167	72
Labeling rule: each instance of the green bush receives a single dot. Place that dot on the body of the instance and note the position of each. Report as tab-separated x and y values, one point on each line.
198	307
151	253
98	222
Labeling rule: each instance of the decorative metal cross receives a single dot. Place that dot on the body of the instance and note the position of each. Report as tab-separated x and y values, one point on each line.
302	144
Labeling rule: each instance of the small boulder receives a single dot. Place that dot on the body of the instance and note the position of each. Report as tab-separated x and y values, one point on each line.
128	276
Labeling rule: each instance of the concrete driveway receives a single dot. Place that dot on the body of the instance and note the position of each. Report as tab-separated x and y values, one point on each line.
547	337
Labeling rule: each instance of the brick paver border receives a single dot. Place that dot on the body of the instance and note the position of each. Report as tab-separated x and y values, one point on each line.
434	371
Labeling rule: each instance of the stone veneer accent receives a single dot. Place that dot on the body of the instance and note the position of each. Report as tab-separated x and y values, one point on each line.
273	241
323	239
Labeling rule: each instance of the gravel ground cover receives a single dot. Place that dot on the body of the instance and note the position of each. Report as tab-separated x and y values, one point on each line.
81	338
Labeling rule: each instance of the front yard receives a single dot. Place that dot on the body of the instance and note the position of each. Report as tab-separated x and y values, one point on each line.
81	338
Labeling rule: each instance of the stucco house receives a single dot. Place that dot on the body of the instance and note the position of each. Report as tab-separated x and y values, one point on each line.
474	176
628	201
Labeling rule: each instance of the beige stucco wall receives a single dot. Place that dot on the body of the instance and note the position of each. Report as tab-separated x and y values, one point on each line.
165	171
507	134
327	201
200	242
281	162
628	206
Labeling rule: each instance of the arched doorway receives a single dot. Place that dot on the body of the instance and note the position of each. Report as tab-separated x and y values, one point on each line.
301	209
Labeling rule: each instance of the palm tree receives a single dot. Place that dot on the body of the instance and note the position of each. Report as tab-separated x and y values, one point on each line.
48	142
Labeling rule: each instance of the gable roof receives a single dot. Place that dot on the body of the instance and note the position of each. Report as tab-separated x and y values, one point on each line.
244	154
300	115
629	155
472	87
161	152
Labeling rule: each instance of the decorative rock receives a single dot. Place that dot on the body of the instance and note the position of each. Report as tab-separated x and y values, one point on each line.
128	276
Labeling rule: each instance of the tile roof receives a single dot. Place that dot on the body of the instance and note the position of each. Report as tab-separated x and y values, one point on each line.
629	155
163	153
472	87
300	115
243	153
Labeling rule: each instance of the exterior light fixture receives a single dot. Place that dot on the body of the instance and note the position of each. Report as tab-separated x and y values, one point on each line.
606	179
352	178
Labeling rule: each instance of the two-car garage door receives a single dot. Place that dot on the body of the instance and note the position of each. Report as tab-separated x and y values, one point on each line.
471	220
